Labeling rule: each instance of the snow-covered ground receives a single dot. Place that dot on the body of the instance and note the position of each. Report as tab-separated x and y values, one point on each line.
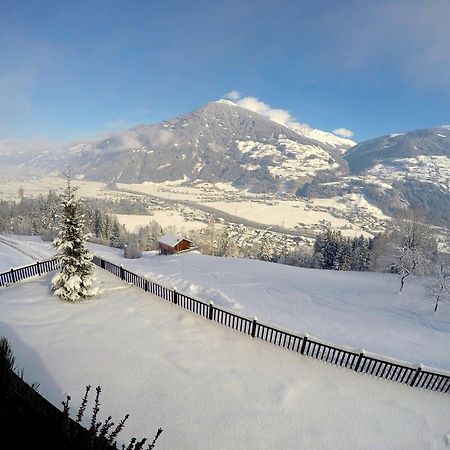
10	257
34	186
357	309
362	310
209	387
432	169
165	218
352	214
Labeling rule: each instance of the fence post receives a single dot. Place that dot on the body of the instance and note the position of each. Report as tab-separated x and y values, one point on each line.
360	357
211	307
416	375
253	333
145	283
175	296
122	273
38	268
305	340
13	275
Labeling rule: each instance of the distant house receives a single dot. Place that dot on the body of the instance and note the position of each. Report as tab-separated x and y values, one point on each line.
170	243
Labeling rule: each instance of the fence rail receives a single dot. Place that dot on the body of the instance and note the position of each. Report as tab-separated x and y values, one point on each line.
304	345
21	273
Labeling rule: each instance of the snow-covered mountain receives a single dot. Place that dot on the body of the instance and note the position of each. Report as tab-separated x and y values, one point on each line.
329	139
406	169
218	142
421	155
223	142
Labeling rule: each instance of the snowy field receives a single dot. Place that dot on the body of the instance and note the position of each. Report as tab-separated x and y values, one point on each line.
34	186
268	210
165	218
361	310
10	257
207	386
350	213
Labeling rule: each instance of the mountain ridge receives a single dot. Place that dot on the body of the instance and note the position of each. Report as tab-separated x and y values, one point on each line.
218	141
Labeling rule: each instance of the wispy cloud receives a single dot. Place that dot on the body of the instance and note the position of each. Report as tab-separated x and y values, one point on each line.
343	132
232	95
33	144
284	117
408	37
281	116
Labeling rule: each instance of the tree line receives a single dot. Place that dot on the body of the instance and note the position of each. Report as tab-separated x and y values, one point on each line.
39	216
407	248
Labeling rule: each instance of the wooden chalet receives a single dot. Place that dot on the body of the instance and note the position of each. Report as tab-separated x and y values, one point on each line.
170	244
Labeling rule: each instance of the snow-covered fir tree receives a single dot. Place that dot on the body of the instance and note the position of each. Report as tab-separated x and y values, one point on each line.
115	239
334	251
75	281
361	253
210	237
265	252
226	246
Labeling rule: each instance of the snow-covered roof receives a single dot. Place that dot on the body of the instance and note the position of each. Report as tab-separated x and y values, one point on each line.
171	239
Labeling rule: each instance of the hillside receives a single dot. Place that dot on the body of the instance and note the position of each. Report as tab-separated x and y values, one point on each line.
357	309
220	141
396	148
207	386
400	170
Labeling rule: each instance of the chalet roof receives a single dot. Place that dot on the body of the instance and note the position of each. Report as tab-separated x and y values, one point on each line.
171	239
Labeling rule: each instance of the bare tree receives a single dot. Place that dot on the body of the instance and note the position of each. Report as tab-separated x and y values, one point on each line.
438	287
412	247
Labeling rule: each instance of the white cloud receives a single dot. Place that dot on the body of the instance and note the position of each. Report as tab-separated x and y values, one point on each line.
278	115
343	132
232	95
33	144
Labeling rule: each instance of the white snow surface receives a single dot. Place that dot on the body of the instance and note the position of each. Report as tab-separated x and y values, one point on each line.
207	386
11	257
432	169
361	310
357	309
170	239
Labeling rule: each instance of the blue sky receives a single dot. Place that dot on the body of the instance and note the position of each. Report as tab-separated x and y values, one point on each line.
74	69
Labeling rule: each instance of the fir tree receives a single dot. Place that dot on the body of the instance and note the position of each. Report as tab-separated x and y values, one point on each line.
115	238
99	224
75	281
265	252
210	243
226	246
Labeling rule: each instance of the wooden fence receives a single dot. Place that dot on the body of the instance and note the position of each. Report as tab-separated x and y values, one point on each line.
387	369
20	273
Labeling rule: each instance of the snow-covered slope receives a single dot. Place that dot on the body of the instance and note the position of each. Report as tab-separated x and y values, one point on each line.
387	150
218	142
339	143
362	310
207	386
11	257
398	170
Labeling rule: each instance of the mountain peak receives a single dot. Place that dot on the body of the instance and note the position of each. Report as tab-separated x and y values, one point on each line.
225	102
